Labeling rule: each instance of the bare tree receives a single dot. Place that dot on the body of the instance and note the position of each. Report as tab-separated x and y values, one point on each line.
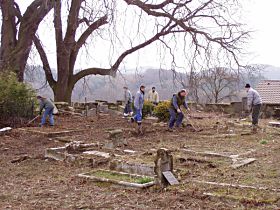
206	28
218	84
17	33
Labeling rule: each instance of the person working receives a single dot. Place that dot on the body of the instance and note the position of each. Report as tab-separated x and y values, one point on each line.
49	107
254	103
138	105
176	114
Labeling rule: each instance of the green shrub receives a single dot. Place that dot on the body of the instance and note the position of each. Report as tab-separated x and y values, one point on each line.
15	98
148	109
161	111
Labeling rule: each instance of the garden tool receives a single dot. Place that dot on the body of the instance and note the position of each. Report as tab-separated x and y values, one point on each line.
196	128
33	119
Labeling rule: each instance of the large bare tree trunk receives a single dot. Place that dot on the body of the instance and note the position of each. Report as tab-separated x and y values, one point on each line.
17	33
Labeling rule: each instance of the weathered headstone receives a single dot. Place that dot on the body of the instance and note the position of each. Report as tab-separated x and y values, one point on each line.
91	112
103	108
163	163
115	139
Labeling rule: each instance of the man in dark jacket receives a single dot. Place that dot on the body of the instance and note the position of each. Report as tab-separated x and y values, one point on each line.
49	107
175	111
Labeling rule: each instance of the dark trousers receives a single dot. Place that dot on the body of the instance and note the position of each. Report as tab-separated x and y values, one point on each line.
256	109
128	108
175	117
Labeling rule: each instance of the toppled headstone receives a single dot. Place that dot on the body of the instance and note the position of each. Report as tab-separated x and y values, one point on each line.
170	178
163	163
237	163
5	130
129	151
274	124
77	153
78	146
97	153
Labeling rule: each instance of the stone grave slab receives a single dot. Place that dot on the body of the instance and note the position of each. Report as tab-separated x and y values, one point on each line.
97	153
274	124
128	151
5	130
53	134
132	168
120	178
170	177
237	163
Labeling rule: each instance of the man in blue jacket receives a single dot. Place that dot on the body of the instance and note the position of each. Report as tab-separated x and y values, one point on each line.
138	105
175	111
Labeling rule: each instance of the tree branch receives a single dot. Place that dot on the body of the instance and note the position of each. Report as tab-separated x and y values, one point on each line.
58	25
44	59
95	25
73	22
92	71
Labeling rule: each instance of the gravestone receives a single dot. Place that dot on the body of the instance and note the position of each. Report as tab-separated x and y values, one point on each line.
170	178
115	139
103	108
164	165
91	112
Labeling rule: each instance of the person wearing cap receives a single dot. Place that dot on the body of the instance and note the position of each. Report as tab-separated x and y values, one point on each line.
128	102
138	105
176	115
49	107
254	103
153	96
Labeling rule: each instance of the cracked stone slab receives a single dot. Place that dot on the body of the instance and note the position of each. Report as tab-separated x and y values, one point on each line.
98	153
54	133
274	124
129	151
237	163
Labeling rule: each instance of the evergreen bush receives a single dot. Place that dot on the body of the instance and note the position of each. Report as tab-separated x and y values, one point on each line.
15	99
161	111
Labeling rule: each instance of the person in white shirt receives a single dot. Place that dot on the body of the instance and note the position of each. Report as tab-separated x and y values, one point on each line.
153	96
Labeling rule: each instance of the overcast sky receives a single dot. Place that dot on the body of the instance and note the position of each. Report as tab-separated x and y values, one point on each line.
264	17
261	16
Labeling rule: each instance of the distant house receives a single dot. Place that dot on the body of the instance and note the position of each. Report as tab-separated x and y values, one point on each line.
269	91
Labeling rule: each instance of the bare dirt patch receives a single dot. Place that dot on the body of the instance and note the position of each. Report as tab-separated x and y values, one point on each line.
39	183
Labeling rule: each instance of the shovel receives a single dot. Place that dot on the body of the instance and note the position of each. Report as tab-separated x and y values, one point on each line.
196	128
33	119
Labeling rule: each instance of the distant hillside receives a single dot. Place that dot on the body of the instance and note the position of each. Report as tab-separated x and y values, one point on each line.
271	72
111	89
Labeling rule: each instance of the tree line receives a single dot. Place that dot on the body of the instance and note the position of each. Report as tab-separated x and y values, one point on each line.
206	29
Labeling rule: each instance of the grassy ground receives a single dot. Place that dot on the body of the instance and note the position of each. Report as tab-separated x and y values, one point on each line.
39	183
